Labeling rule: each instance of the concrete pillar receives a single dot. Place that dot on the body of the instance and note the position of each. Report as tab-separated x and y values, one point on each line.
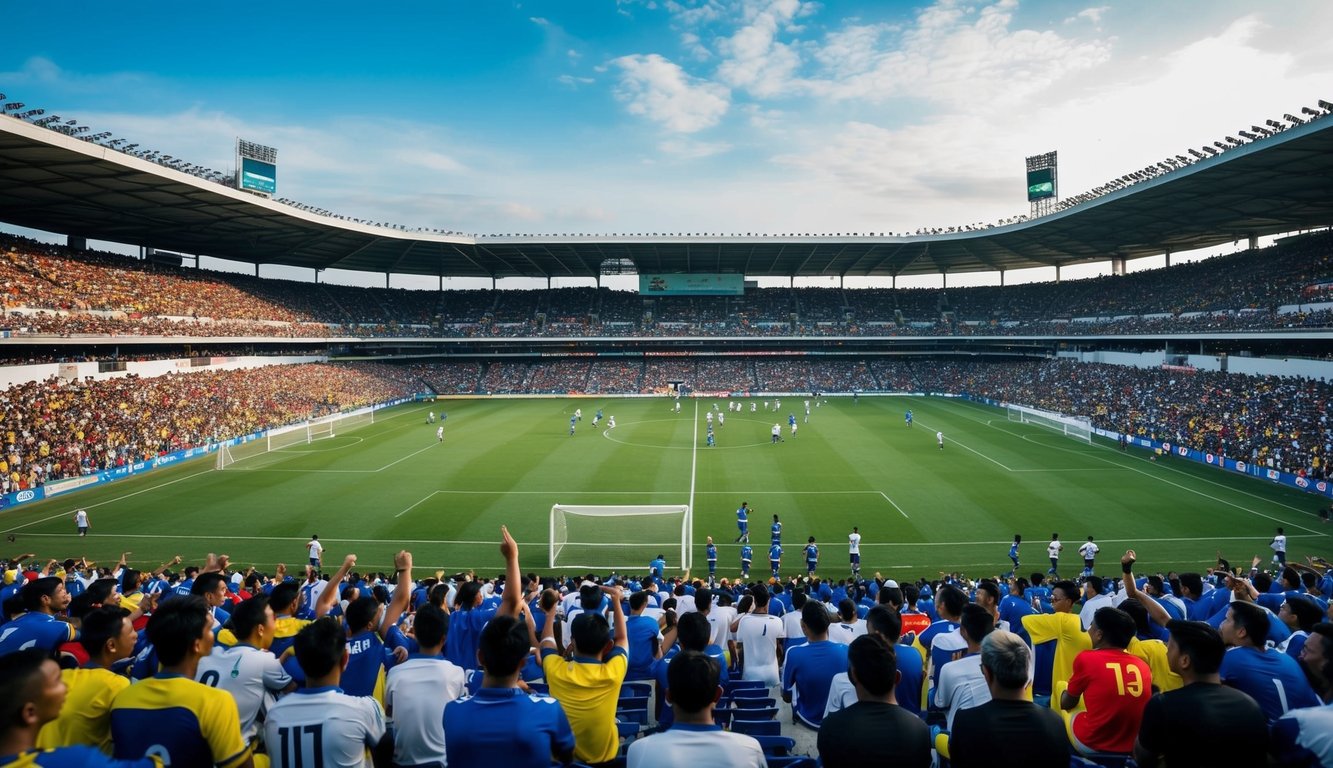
77	243
1057	273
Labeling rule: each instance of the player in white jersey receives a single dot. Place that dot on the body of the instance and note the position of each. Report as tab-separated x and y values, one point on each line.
248	671
578	414
81	521
854	550
939	438
1089	552
439	434
753	406
316	550
1053	552
319	725
430	417
417	691
677	406
721	419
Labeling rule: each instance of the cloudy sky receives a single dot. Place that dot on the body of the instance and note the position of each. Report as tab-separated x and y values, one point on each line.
774	116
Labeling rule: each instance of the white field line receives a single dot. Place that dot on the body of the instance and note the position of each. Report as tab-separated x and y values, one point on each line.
895	506
428	497
965	446
110	501
408	456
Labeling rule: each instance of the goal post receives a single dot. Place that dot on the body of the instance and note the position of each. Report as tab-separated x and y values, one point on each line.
301	433
620	536
1076	427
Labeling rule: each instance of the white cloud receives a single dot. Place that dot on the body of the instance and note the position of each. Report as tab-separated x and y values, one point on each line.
689	149
574	81
1090	14
661	91
539	21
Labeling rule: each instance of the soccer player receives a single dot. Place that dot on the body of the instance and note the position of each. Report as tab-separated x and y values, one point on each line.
439	434
721	419
1278	545
811	557
247	670
611	422
743	522
791	421
678	405
430	417
1088	551
1053	552
907	417
319	724
1013	555
1115	684
578	414
793	430
747	556
81	521
775	559
776	531
710	552
316	550
753	407
710	440
181	633
777	433
939	438
32	693
708	416
854	551
572	422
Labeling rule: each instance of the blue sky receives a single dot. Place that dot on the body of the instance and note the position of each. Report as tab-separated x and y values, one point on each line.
769	116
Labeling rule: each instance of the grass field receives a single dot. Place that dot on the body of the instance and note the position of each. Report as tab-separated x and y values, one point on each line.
920	509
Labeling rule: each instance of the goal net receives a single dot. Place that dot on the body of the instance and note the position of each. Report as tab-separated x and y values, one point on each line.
1077	427
304	433
620	537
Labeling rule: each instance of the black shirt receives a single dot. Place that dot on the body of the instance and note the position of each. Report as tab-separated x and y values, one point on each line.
1205	724
1008	734
873	734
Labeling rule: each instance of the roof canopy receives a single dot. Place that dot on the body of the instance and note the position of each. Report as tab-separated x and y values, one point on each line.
61	184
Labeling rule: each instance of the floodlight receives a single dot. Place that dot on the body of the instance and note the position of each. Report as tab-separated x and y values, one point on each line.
1247	135
1293	119
1275	125
1308	111
1324	105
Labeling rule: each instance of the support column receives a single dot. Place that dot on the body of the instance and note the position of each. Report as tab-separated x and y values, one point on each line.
1002	278
1254	242
386	280
1057	273
944	278
1168	257
1118	265
77	243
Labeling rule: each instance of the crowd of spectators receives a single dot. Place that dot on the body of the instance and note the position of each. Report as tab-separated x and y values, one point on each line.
58	428
646	668
102	294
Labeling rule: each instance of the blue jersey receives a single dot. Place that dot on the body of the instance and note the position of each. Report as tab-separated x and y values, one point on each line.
1013	550
35	630
70	757
775	553
908	417
1272	678
791	419
742	516
777	533
460	645
711	551
747	553
657	567
525	730
809	669
642	631
364	674
811	553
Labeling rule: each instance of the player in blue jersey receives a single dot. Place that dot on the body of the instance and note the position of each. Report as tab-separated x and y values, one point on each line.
747	556
743	522
657	568
572	422
710	440
776	530
907	417
1013	555
775	559
811	556
710	551
791	419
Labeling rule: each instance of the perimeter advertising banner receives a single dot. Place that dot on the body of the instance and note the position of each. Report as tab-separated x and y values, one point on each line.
692	285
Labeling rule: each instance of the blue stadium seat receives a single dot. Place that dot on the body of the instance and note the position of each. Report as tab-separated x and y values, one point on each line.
628	730
757	727
636	689
741	702
792	761
777	746
540	688
736	684
632	702
757	713
636	716
750	693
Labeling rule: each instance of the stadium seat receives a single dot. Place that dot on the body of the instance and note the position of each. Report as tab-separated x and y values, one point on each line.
750	693
757	713
791	761
637	716
541	689
632	702
778	746
740	702
757	727
628	730
735	684
636	690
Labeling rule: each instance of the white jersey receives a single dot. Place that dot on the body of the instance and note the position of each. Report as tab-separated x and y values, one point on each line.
719	622
791	625
841	694
854	543
323	726
1089	550
415	695
961	686
1053	549
439	433
253	677
939	438
844	632
1279	543
759	634
316	549
682	748
81	518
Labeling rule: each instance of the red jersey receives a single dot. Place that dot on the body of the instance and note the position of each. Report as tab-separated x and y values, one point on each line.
1115	687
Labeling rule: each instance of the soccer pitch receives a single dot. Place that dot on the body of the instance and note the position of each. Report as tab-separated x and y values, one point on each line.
920	509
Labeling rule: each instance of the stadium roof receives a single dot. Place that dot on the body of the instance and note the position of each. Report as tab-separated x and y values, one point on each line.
57	183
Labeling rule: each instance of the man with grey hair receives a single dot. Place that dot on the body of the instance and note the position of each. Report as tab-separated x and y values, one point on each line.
1007	731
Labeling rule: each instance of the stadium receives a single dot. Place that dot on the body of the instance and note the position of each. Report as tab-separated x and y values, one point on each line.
971	439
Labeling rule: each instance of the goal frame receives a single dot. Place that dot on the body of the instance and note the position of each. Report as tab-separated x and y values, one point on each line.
303	432
1074	427
557	541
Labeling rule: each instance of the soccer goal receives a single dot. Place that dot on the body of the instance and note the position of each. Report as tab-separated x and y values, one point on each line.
1077	427
303	433
620	537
